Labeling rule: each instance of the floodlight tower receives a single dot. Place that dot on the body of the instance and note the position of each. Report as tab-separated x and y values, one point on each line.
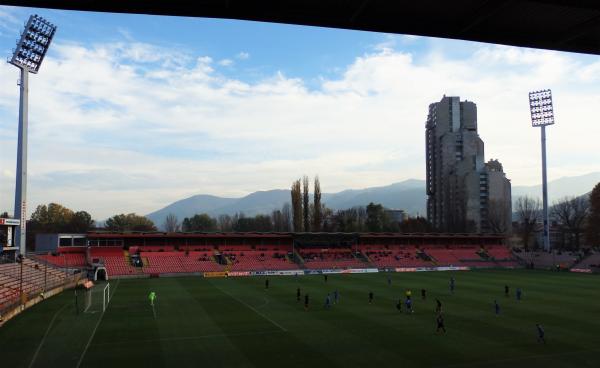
542	114
28	57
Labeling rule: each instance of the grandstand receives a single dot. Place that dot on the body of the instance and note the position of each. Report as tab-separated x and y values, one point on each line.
21	281
589	263
542	259
152	254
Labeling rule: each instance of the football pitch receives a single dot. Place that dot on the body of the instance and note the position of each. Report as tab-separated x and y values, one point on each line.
235	322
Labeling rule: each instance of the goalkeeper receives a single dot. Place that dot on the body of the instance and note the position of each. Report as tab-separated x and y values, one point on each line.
152	297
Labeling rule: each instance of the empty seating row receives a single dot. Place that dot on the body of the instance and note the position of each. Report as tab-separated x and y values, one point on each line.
395	257
259	260
30	277
335	259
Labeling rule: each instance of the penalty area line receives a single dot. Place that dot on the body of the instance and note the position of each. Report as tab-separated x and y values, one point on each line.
252	308
37	351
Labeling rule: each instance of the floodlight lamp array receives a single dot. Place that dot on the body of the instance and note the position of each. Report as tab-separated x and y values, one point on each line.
33	44
541	107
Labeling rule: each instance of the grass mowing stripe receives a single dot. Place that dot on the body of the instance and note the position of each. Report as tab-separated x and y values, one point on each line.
187	338
87	346
37	351
252	308
514	359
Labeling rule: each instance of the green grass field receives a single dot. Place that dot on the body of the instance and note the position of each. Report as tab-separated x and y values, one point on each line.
236	323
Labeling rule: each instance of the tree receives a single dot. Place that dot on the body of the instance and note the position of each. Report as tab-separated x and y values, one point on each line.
592	233
415	225
529	214
225	223
350	220
277	219
81	222
129	222
4	215
375	216
286	214
53	218
260	223
297	205
305	203
317	216
171	224
571	213
328	219
202	222
497	216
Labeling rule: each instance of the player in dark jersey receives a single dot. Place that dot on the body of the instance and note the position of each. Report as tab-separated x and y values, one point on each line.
409	308
399	305
298	294
370	297
306	302
541	333
423	294
452	284
506	290
440	324
519	294
267	284
438	306
325	277
497	307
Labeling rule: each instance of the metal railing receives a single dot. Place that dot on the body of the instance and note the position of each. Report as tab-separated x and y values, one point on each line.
27	278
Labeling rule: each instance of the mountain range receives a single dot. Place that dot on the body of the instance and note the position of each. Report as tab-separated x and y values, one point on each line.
408	195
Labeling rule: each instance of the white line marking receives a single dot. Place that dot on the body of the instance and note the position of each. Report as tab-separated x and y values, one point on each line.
37	351
263	304
95	328
254	309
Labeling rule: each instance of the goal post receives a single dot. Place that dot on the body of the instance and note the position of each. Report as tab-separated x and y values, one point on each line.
97	298
105	297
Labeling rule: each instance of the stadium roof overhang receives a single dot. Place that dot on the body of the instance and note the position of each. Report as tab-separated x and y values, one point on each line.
565	25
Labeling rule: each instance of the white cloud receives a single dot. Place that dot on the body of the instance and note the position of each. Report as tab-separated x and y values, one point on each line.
243	55
226	62
131	127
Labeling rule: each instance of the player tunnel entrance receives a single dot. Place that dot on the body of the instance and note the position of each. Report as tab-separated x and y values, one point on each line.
100	274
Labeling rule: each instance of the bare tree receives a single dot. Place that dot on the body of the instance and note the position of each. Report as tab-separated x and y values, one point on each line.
317	217
296	193
571	213
171	224
529	213
498	217
305	203
225	223
277	220
286	214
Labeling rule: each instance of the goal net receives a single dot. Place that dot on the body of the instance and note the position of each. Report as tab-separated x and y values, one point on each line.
97	298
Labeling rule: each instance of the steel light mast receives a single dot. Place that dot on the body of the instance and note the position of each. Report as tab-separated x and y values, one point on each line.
28	56
542	114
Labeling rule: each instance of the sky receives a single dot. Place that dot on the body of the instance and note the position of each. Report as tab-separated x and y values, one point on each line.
132	112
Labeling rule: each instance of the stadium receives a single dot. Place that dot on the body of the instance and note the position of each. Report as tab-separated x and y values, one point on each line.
231	299
304	299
